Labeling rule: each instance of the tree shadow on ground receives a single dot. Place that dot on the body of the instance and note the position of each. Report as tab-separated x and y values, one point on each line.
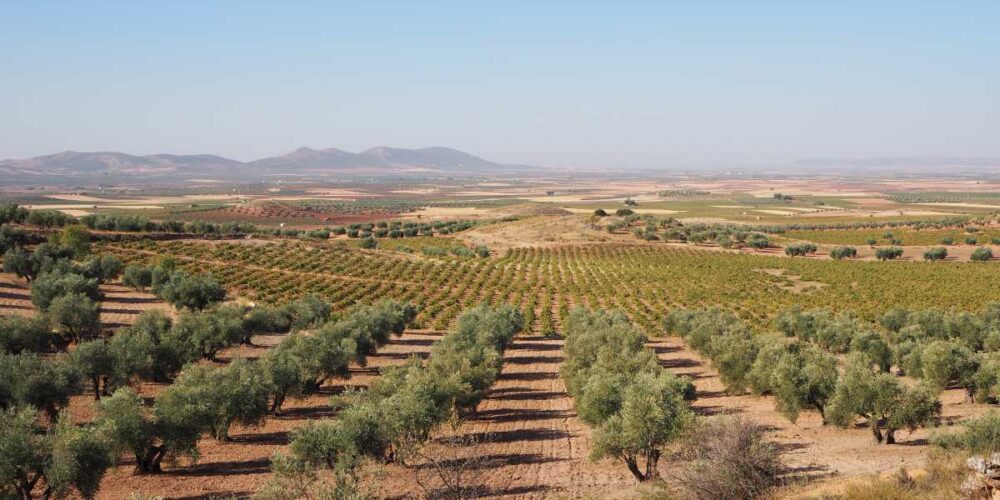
230	468
519	415
528	360
518	435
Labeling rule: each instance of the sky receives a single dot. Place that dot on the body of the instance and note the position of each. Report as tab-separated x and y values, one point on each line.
596	84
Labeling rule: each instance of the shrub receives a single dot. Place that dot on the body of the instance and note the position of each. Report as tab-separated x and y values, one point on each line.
978	435
730	458
369	242
600	212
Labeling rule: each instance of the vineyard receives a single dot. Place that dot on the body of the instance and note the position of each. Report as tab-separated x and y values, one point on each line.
546	284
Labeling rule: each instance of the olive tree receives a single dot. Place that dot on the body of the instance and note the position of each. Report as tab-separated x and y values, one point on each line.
936	254
307	312
945	362
27	379
95	362
634	406
170	428
103	268
29	265
51	285
65	458
193	292
889	253
802	376
76	315
882	400
137	277
840	253
206	332
981	254
653	413
874	348
987	379
237	393
20	334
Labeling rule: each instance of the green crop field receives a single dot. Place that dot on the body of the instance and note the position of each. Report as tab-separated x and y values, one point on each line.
646	281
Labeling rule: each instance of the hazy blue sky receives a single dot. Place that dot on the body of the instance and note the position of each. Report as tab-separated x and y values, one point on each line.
611	84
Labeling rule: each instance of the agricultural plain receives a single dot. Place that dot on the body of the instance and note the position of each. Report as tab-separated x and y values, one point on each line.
321	306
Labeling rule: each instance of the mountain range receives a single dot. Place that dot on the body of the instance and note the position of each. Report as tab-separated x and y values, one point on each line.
74	166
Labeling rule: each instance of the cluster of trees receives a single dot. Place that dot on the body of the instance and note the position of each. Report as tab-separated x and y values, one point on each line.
798	365
401	229
634	405
670	229
11	213
65	281
203	399
948	349
302	363
401	409
206	399
800	249
944	223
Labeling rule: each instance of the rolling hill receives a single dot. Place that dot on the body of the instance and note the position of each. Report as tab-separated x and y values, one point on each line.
75	167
